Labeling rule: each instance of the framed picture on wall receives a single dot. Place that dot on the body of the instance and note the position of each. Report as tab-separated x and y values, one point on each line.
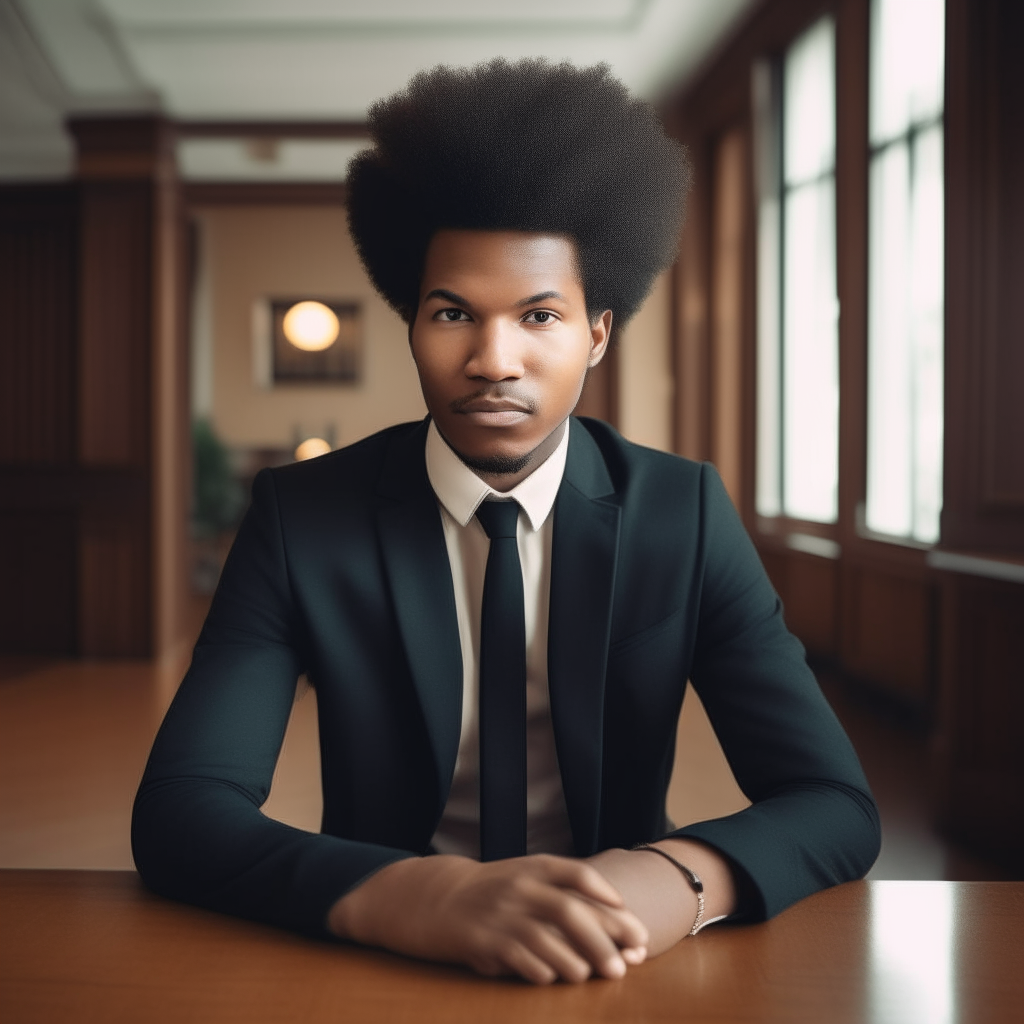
313	340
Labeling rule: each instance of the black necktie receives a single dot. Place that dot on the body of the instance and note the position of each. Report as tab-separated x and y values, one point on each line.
502	689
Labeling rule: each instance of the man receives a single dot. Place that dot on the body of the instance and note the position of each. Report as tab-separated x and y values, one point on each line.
500	607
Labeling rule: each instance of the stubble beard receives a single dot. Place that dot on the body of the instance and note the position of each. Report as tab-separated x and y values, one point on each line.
496	465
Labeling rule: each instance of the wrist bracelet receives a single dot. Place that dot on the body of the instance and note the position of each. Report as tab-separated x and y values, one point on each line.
691	877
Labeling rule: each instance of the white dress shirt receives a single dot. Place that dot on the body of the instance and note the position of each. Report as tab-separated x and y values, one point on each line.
459	492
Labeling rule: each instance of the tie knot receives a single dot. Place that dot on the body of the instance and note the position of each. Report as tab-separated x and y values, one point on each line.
498	518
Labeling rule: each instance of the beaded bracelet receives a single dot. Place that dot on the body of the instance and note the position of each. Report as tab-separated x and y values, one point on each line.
691	876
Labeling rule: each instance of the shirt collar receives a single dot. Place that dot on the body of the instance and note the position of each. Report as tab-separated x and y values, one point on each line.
460	490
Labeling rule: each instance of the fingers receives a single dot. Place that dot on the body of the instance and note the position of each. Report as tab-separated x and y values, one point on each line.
580	876
624	928
540	954
552	949
513	957
589	930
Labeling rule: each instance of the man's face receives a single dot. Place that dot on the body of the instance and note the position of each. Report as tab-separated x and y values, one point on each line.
502	344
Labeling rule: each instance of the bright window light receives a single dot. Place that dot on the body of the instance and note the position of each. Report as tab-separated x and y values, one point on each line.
798	309
905	310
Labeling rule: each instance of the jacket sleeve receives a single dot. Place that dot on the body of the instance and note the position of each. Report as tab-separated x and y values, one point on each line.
198	834
813	821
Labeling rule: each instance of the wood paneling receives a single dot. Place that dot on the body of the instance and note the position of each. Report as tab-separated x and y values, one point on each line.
38	296
38	599
809	589
116	322
38	526
1004	355
888	632
979	748
984	455
115	596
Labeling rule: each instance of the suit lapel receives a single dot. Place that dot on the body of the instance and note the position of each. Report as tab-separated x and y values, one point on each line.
416	563
584	551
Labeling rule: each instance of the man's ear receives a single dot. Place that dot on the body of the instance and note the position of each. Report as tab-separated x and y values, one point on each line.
600	336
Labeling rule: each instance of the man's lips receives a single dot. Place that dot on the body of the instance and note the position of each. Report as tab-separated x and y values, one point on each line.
493	405
501	415
493	410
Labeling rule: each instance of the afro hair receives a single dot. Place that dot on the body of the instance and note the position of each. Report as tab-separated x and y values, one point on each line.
525	146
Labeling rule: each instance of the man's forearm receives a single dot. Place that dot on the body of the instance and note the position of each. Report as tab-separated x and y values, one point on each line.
660	896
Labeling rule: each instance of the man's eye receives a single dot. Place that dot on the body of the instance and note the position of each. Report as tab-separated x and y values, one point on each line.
451	315
539	316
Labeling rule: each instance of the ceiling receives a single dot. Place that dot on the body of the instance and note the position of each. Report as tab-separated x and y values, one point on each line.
281	60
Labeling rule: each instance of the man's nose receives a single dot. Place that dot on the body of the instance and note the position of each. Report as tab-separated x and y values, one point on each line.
497	353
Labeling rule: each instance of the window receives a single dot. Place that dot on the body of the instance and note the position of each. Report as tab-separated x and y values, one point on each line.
905	307
798	308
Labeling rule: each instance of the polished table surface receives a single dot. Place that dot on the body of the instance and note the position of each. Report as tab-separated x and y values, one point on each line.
96	946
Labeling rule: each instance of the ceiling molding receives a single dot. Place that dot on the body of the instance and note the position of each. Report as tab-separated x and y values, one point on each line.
161	24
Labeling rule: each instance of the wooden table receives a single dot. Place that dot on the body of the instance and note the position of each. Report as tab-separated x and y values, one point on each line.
95	946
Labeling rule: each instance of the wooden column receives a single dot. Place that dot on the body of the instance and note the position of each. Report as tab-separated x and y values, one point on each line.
132	438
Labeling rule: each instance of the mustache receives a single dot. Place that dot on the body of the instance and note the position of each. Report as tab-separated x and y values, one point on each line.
494	393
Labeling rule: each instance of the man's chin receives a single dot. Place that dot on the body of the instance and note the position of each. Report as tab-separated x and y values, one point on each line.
502	462
496	465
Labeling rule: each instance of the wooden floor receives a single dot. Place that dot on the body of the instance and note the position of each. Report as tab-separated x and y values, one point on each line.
74	736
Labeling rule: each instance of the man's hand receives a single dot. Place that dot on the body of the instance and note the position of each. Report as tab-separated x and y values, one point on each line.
540	917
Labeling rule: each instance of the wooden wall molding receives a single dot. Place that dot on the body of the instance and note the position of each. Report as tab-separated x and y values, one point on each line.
271	129
264	193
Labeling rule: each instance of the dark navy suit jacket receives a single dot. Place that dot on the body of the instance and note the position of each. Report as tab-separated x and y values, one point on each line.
340	571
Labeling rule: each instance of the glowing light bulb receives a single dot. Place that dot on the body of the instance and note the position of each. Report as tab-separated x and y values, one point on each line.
311	448
310	326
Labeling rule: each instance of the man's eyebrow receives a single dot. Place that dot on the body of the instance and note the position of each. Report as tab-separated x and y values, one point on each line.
443	293
540	297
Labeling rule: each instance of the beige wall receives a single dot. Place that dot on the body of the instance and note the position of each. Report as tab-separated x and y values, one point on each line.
645	371
250	252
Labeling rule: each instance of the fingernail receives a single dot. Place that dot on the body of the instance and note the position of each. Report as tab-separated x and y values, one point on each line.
635	955
616	967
